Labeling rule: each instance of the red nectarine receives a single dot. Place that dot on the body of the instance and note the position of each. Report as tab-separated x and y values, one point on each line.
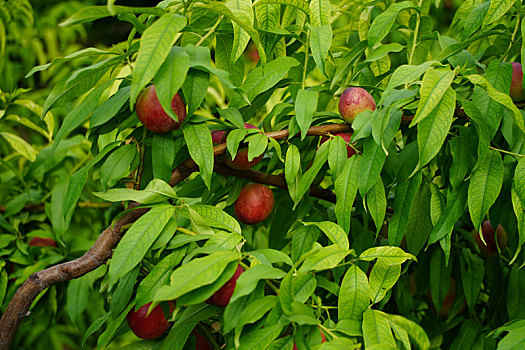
254	204
152	115
353	101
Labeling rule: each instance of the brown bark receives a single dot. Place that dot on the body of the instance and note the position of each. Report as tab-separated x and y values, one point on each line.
101	250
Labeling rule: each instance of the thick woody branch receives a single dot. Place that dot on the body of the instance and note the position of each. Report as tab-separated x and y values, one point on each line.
101	250
272	180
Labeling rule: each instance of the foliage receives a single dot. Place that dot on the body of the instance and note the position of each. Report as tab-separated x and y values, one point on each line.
443	151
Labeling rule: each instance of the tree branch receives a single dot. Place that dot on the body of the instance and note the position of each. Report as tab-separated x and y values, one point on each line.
101	250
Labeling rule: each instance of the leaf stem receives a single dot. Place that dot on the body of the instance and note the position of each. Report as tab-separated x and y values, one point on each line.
507	152
186	231
329	332
212	29
416	32
306	50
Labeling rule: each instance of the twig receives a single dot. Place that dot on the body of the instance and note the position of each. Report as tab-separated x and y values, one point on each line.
85	205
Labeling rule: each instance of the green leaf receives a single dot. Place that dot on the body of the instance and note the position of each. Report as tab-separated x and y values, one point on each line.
376	203
433	130
78	291
461	149
395	255
242	10
158	277
519	210
196	273
292	165
337	155
247	281
415	331
268	17
156	191
499	97
456	205
92	13
407	74
20	146
305	107
485	185
308	177
89	51
383	50
95	326
137	240
384	22
155	46
194	89
404	195
419	223
346	190
320	42
324	258
334	232
163	147
122	294
263	78
221	8
200	146
118	165
80	113
376	330
215	217
261	338
383	277
472	272
110	107
514	334
257	144
515	296
439	278
320	12
519	179
77	182
170	76
112	328
299	4
354	297
370	166
497	9
303	240
434	86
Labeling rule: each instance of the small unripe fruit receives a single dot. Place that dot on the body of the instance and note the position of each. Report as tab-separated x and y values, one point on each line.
152	115
241	158
516	88
353	101
252	53
350	151
222	297
491	249
149	326
254	204
42	242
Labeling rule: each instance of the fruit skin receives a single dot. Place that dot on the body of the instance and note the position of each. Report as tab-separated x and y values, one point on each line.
254	204
353	101
322	341
241	158
217	136
491	249
222	297
152	115
202	343
149	326
252	53
42	242
516	89
350	151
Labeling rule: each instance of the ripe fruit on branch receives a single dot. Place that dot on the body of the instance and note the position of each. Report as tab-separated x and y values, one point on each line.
449	300
217	136
241	158
353	101
350	151
491	249
202	343
222	297
516	88
152	115
149	326
42	242
254	204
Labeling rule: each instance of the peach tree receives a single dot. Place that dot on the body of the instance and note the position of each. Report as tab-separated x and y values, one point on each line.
276	174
